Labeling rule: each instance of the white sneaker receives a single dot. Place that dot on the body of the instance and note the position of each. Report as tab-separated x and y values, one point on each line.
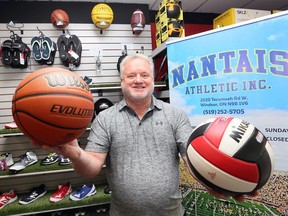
27	159
8	158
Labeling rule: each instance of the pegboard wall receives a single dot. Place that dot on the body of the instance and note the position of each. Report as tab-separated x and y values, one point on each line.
108	46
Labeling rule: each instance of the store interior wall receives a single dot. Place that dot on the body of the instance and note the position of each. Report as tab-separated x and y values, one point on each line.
109	43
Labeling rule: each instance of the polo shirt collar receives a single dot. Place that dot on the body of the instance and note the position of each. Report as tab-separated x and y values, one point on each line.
155	104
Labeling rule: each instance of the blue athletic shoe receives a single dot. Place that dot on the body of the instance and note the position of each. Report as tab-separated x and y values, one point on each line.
83	192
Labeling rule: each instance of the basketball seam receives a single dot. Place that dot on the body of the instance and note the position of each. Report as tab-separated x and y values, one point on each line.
49	93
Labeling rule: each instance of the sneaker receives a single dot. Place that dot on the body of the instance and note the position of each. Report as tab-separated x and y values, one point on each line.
83	192
27	159
50	159
11	125
87	80
64	160
7	198
8	158
107	190
34	194
3	165
61	193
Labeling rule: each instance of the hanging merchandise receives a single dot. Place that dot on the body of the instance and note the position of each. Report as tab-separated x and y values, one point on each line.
98	63
43	49
59	18
100	105
102	15
70	50
15	53
120	59
137	22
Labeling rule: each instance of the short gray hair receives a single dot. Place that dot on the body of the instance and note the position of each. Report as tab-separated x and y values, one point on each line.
136	56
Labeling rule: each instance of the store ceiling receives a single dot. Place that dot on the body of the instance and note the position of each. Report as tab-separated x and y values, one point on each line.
206	6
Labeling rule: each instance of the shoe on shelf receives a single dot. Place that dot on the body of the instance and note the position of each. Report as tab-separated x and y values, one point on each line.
61	192
26	159
50	159
3	165
11	125
33	195
83	192
8	158
107	190
87	79
64	160
7	198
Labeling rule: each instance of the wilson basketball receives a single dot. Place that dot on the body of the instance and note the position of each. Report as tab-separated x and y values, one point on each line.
52	106
230	156
59	18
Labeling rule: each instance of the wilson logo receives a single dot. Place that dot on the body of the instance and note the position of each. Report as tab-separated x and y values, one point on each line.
71	111
55	80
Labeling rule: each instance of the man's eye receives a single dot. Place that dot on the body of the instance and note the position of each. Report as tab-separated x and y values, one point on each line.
131	76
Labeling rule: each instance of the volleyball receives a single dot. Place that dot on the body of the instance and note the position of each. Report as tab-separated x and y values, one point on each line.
230	156
102	15
52	106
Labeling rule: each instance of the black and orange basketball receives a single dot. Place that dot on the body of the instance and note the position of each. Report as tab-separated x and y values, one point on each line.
52	106
59	18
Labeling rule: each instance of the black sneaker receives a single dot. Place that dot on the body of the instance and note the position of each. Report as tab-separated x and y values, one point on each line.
34	194
64	160
50	159
107	189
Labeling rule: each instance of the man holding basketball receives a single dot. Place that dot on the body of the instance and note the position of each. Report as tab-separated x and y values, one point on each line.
140	139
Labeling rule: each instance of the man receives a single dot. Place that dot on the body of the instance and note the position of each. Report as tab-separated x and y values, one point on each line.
140	139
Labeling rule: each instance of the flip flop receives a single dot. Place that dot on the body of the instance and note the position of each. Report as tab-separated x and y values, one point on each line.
6	52
62	44
50	61
36	48
75	45
47	43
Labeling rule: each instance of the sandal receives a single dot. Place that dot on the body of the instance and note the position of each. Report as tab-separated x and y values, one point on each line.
36	48
47	43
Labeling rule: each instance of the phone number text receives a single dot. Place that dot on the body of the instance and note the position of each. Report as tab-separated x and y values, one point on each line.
223	111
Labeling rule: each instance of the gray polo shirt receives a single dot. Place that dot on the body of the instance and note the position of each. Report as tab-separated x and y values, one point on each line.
143	157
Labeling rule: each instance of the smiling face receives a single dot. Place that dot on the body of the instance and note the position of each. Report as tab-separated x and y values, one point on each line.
137	80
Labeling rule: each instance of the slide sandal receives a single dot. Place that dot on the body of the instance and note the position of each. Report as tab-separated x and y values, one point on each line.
18	48
47	44
62	44
36	48
6	52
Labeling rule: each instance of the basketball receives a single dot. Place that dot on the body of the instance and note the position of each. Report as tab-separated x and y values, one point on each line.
52	106
102	15
175	29
230	156
137	22
59	18
173	10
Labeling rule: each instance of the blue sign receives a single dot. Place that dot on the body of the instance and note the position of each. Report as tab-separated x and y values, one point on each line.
240	70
